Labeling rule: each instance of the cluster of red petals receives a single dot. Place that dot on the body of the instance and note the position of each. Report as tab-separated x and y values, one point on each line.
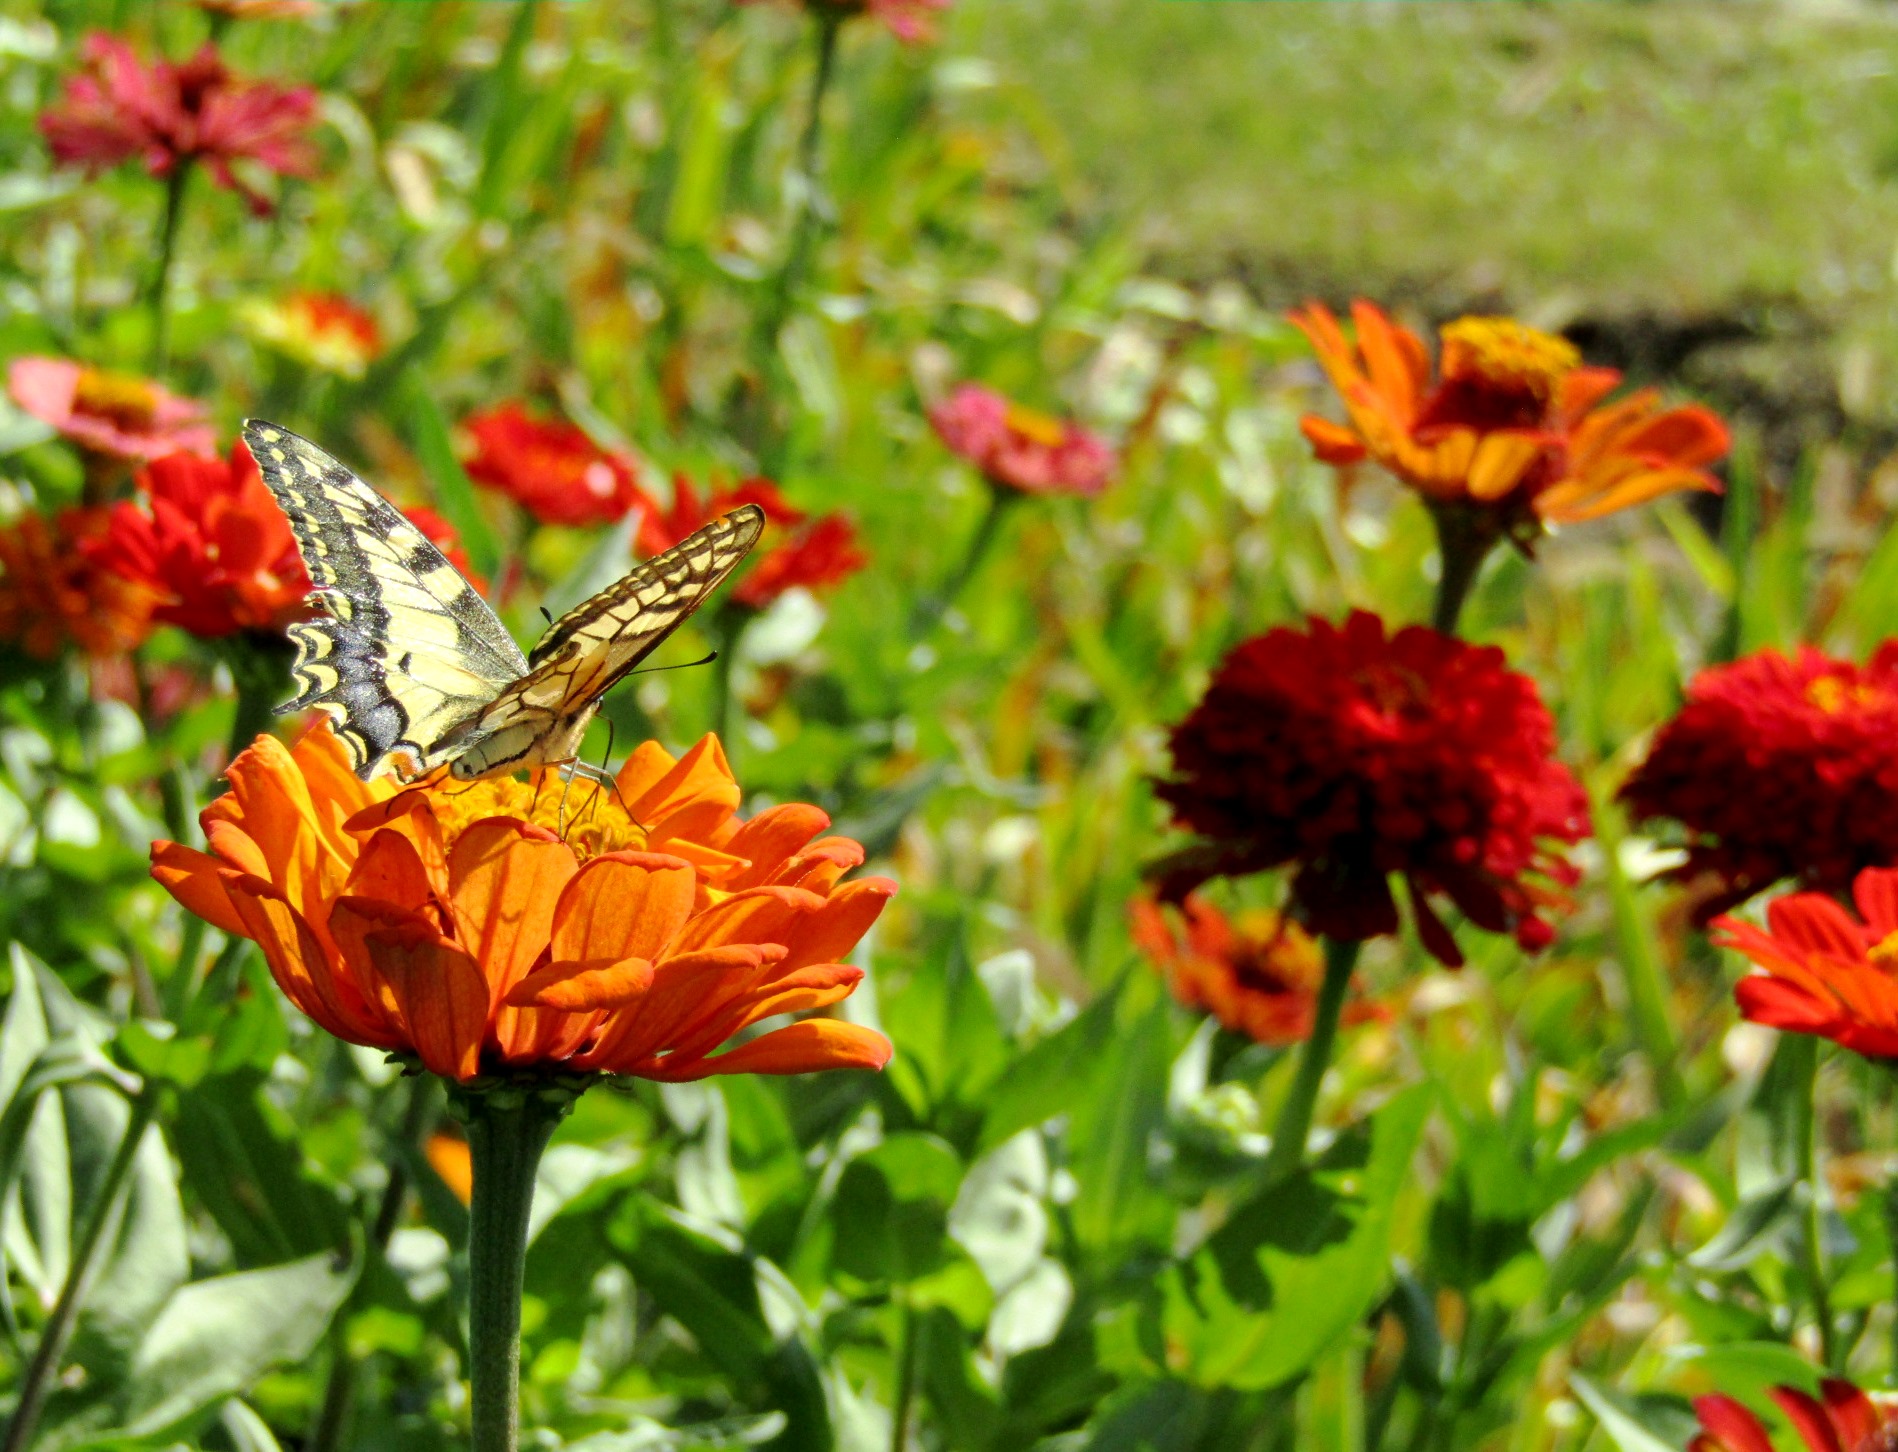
800	552
1779	768
1825	972
544	927
211	545
119	109
1258	974
318	328
1512	424
53	595
113	415
1018	448
1351	755
911	21
1842	1418
549	467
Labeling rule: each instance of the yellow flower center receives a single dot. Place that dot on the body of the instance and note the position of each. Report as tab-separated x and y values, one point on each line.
1835	696
1508	356
589	818
1030	424
129	402
1884	954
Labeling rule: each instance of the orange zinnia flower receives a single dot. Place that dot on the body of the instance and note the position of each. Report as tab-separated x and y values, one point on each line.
1258	974
1826	972
1513	423
543	927
52	592
317	328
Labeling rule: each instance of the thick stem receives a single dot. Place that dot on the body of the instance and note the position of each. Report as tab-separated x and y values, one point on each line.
44	1368
1806	1048
507	1131
930	611
1462	545
158	296
905	1383
1287	1154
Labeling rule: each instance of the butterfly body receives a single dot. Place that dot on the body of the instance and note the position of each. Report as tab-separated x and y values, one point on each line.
412	664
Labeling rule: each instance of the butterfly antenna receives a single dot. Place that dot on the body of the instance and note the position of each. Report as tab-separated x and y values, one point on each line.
684	665
547	614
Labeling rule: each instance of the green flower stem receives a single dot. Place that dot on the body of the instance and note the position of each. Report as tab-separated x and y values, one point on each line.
508	1129
158	296
905	1383
1803	1050
44	1368
1462	544
1287	1154
930	611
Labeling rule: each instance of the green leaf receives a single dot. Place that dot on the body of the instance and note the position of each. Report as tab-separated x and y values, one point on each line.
1749	1230
1623	1430
892	1208
158	1051
212	1341
454	492
1300	1264
1052	1076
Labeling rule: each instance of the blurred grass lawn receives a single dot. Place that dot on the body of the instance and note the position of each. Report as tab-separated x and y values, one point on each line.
1667	174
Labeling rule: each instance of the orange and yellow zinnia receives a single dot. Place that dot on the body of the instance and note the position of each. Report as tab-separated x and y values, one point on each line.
545	927
1513	423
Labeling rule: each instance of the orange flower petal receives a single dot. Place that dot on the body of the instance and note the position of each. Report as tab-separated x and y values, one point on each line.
700	781
390	869
756	915
1332	443
453	1163
829	933
1500	460
504	879
771	837
800	1048
622	905
192	878
301	965
579	987
441	993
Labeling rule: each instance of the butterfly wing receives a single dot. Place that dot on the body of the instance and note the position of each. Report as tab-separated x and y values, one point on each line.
407	652
540	717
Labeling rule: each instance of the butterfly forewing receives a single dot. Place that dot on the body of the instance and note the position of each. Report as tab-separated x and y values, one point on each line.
406	651
540	717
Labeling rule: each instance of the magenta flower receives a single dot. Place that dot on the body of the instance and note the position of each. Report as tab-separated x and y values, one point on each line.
1018	448
116	415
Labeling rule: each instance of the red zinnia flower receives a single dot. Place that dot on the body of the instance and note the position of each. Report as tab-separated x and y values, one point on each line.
911	21
167	115
1826	972
214	548
1513	424
559	474
1842	1418
1258	974
1352	755
1779	768
115	415
52	593
806	552
320	329
1017	448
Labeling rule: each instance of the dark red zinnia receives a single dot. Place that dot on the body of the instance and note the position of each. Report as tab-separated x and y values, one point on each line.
799	551
1351	755
165	115
211	544
550	467
1779	768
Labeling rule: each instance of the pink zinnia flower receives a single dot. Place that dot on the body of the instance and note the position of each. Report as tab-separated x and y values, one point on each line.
117	415
1019	448
910	21
166	115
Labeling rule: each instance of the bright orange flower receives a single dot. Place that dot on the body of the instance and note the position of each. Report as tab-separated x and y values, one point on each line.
52	593
1826	972
317	328
543	927
1513	422
1258	974
448	1157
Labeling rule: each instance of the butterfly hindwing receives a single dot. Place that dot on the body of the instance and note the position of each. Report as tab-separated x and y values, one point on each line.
596	643
407	652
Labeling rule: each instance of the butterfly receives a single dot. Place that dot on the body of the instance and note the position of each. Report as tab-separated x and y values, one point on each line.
411	663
